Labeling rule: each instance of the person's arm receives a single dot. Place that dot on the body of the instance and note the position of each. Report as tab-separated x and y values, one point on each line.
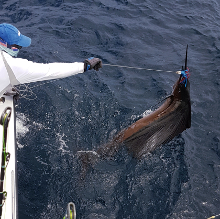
27	71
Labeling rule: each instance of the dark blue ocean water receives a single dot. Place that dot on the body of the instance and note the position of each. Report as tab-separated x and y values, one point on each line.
56	119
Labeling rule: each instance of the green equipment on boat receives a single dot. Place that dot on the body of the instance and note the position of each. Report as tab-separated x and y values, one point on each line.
70	211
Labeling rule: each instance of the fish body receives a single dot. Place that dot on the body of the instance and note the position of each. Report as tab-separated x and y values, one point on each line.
162	125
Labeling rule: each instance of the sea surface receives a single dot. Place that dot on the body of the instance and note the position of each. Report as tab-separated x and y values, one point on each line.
57	119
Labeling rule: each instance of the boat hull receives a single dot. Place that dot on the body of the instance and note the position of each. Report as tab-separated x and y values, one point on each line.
10	203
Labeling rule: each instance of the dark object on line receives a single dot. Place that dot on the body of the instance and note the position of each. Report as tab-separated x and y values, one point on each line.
92	63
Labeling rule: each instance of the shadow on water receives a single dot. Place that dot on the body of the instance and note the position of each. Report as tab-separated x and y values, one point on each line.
131	188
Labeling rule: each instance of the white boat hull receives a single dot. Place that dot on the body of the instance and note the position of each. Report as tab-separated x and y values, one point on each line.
9	208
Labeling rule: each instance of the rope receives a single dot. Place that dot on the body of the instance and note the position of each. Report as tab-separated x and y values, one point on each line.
26	90
147	69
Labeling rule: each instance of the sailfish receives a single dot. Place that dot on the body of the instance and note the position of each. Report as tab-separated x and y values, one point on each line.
153	130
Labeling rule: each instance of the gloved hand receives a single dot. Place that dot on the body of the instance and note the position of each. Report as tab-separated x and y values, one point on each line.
92	63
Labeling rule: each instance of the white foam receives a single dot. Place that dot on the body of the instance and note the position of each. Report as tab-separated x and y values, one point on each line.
63	147
146	113
21	128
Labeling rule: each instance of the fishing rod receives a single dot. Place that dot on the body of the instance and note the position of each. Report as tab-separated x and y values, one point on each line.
147	69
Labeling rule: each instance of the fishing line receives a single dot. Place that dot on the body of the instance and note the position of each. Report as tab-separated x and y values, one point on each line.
147	69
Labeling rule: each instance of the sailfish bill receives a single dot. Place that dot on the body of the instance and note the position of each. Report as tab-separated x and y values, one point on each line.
157	128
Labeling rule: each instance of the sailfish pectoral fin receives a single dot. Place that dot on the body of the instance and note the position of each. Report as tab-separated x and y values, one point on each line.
160	131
